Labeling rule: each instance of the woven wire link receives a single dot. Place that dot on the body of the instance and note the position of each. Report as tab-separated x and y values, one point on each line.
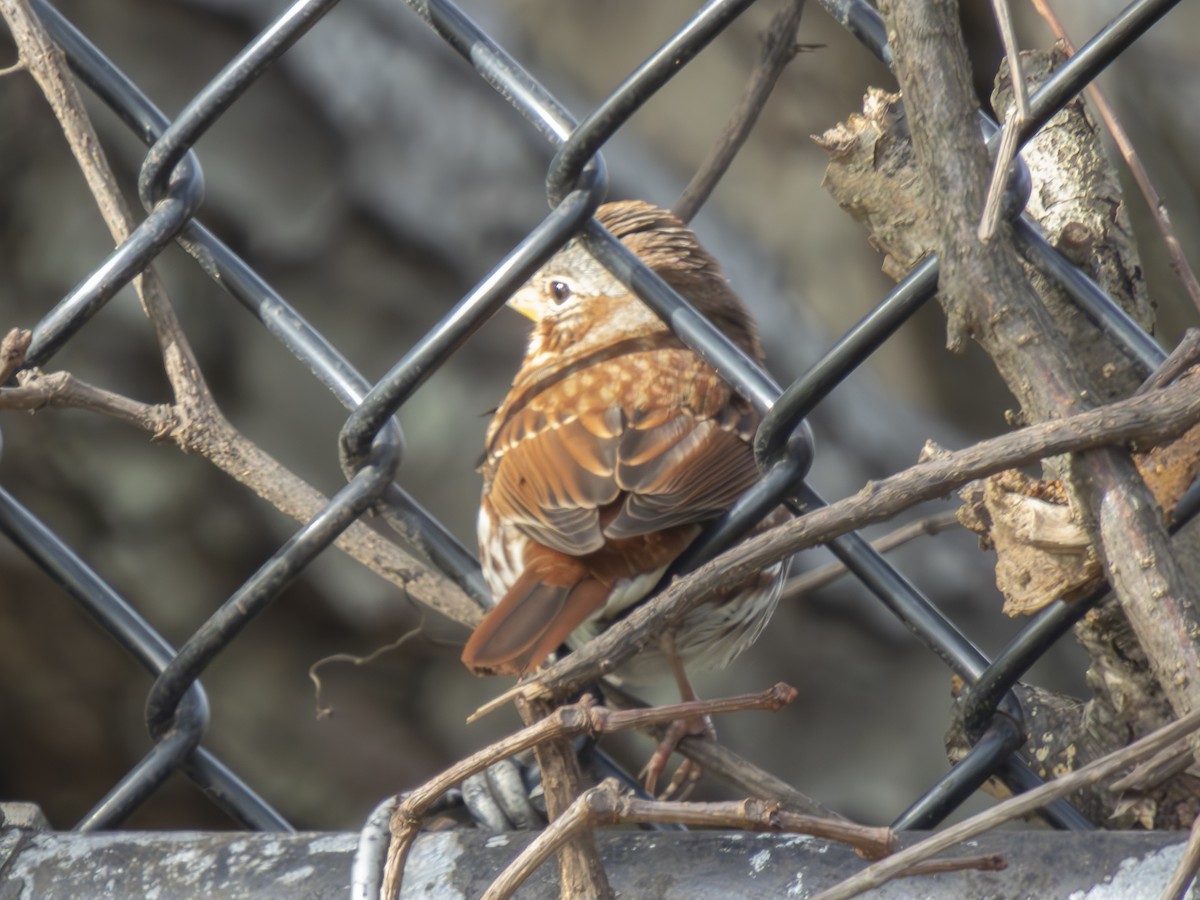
371	443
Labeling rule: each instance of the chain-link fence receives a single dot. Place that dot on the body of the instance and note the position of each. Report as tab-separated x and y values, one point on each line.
371	444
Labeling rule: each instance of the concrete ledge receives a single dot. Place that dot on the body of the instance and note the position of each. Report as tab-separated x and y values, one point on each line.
52	865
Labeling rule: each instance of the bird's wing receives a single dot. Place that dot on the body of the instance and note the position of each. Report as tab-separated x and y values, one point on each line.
552	475
622	447
671	467
676	467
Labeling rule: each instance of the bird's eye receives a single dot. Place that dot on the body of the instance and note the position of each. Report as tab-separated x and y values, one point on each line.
560	291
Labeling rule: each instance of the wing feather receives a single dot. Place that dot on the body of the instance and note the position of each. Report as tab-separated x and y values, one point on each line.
551	485
697	473
570	478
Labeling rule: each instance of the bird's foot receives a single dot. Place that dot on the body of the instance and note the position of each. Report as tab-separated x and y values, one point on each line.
683	782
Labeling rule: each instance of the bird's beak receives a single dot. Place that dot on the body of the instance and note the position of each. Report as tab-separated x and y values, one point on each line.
525	303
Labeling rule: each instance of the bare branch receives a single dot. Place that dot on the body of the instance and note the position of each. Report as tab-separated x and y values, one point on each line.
196	423
986	296
778	49
1021	805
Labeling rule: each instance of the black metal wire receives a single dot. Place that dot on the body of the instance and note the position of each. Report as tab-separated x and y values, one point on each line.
846	355
135	253
1106	315
422	531
220	93
865	23
857	344
1090	60
468	315
370	445
135	635
1003	738
265	585
663	65
221	264
172	746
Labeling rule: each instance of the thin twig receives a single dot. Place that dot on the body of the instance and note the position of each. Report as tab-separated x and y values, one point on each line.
1158	208
1155	770
1021	805
1189	864
778	43
807	582
1014	121
606	805
1185	355
1012	53
986	862
38	390
1005	154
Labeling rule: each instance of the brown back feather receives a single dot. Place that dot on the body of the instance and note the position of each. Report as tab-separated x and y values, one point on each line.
665	244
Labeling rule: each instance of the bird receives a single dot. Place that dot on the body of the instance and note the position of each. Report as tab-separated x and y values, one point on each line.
614	446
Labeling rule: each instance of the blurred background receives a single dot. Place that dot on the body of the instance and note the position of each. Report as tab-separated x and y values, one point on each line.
373	179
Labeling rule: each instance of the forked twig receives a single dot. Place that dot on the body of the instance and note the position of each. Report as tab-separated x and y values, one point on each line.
606	805
718	761
566	721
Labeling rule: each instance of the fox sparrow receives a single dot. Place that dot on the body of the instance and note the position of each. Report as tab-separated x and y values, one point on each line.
614	445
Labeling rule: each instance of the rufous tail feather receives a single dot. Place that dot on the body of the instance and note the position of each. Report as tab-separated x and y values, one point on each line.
529	623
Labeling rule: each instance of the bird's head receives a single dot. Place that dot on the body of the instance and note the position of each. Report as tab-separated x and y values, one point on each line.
578	305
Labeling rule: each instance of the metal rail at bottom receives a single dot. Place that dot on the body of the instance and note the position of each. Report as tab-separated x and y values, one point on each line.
232	865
